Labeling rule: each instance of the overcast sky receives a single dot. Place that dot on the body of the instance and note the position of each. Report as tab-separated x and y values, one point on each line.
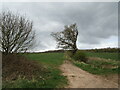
97	22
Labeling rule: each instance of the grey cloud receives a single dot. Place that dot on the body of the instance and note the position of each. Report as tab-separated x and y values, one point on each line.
95	21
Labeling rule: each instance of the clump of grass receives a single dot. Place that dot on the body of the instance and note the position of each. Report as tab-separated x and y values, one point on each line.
23	83
53	79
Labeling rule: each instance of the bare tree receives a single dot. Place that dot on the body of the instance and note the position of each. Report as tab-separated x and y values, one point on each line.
67	38
16	33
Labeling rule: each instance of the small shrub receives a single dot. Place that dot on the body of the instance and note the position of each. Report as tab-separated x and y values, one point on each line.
80	56
68	55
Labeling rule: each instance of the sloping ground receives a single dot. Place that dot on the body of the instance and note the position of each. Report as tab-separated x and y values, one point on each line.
15	66
79	78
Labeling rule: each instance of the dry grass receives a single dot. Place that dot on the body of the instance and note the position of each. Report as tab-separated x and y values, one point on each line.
15	66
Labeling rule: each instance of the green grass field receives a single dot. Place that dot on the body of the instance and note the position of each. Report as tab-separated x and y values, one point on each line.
106	55
52	61
51	79
101	63
95	69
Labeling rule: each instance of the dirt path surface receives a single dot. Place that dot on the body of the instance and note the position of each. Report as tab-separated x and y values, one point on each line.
79	78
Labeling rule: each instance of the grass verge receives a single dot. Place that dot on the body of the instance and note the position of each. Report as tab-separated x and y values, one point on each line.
51	78
52	61
99	67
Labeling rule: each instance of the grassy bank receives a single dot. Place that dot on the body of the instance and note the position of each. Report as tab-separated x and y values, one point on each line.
51	78
91	68
52	61
100	63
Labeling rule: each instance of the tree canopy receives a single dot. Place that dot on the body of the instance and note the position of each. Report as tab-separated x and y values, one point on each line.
16	33
67	38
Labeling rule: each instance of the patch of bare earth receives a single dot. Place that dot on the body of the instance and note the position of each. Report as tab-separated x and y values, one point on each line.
79	78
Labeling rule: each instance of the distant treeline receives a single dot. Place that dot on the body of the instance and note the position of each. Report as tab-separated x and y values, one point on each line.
111	50
92	50
50	51
104	50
